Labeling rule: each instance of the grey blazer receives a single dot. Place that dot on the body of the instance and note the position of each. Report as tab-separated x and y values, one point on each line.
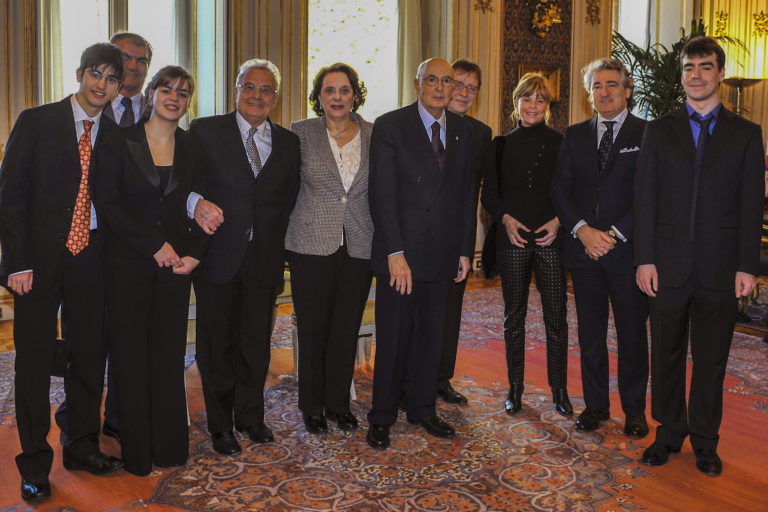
323	207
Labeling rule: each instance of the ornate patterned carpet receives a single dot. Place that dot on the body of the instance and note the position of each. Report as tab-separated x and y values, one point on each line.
533	461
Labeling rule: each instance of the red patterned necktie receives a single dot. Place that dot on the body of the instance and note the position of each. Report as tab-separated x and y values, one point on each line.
80	231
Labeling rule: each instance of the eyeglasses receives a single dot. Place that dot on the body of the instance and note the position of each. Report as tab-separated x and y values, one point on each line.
96	75
266	90
432	80
471	89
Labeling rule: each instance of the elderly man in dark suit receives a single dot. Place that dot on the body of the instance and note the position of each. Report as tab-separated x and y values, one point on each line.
248	169
699	191
592	194
421	197
52	255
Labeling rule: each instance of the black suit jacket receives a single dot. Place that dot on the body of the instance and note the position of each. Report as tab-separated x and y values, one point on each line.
139	217
416	207
224	176
39	179
482	159
729	205
580	192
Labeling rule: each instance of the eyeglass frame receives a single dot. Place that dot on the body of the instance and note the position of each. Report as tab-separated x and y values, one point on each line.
265	90
459	86
433	80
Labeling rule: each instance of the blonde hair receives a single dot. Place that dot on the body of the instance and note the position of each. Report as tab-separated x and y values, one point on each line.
530	84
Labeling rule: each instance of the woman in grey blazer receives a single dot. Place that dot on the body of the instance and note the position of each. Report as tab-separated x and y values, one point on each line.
329	245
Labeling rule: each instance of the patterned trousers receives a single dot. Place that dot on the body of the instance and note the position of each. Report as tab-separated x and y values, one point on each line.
515	266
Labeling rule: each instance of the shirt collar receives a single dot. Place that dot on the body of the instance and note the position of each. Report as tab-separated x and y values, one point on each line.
428	120
714	112
80	114
135	100
619	119
244	126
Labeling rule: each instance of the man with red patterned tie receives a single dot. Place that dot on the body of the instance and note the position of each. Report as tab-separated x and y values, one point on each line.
51	255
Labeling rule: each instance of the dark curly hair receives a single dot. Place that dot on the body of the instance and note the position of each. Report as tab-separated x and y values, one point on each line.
358	87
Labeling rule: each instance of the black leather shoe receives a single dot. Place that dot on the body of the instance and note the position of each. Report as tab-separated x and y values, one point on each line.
514	399
345	421
110	431
658	454
95	464
562	402
590	419
635	426
258	433
225	443
435	426
451	396
315	423
378	436
35	490
708	462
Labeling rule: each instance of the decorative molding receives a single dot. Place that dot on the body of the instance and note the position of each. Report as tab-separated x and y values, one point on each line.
546	14
592	15
761	23
484	6
721	23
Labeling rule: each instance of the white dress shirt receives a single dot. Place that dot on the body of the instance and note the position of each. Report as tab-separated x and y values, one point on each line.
118	109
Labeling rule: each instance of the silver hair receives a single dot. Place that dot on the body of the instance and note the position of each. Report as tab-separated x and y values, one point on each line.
590	70
248	65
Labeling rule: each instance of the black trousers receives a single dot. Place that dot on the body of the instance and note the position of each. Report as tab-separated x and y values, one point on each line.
592	287
79	284
234	329
711	315
329	295
516	265
454	304
407	323
148	326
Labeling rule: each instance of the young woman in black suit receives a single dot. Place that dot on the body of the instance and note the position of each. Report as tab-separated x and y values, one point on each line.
144	179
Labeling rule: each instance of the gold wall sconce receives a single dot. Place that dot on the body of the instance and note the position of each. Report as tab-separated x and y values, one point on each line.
546	14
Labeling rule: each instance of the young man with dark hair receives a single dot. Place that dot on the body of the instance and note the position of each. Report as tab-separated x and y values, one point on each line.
51	255
699	195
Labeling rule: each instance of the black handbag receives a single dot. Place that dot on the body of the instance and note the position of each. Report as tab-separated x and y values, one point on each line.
488	256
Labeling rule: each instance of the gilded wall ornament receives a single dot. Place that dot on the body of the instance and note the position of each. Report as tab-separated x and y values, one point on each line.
546	13
721	24
761	23
484	5
593	12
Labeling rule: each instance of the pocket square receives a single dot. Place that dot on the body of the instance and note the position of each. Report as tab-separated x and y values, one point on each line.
629	150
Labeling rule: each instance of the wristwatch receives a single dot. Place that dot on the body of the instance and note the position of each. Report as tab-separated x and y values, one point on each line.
612	233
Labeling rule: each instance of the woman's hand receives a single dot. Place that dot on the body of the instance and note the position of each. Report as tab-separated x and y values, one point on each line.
512	226
188	264
167	257
550	232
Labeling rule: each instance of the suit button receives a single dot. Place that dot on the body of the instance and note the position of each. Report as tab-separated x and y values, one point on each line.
158	224
599	189
428	208
344	199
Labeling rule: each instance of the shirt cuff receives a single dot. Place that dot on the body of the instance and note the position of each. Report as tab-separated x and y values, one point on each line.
582	222
618	233
397	252
192	200
21	272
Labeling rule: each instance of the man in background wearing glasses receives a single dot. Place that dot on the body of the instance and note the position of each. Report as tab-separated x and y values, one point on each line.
248	173
421	192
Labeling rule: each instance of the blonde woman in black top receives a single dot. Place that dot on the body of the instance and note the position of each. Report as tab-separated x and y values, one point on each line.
516	194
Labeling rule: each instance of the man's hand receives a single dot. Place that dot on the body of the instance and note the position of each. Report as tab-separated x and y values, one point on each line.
208	216
463	269
188	264
167	257
648	279
512	226
745	283
550	232
400	274
596	243
21	283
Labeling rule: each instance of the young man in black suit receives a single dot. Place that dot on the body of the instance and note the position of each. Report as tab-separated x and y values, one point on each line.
593	196
699	191
52	255
248	174
420	191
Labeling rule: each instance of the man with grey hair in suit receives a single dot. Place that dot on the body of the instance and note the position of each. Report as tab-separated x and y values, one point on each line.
248	173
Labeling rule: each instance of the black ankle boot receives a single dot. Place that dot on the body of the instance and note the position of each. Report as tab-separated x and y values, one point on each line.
514	399
562	403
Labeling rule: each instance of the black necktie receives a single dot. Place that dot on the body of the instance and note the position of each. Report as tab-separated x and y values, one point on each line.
128	118
437	144
701	146
606	141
